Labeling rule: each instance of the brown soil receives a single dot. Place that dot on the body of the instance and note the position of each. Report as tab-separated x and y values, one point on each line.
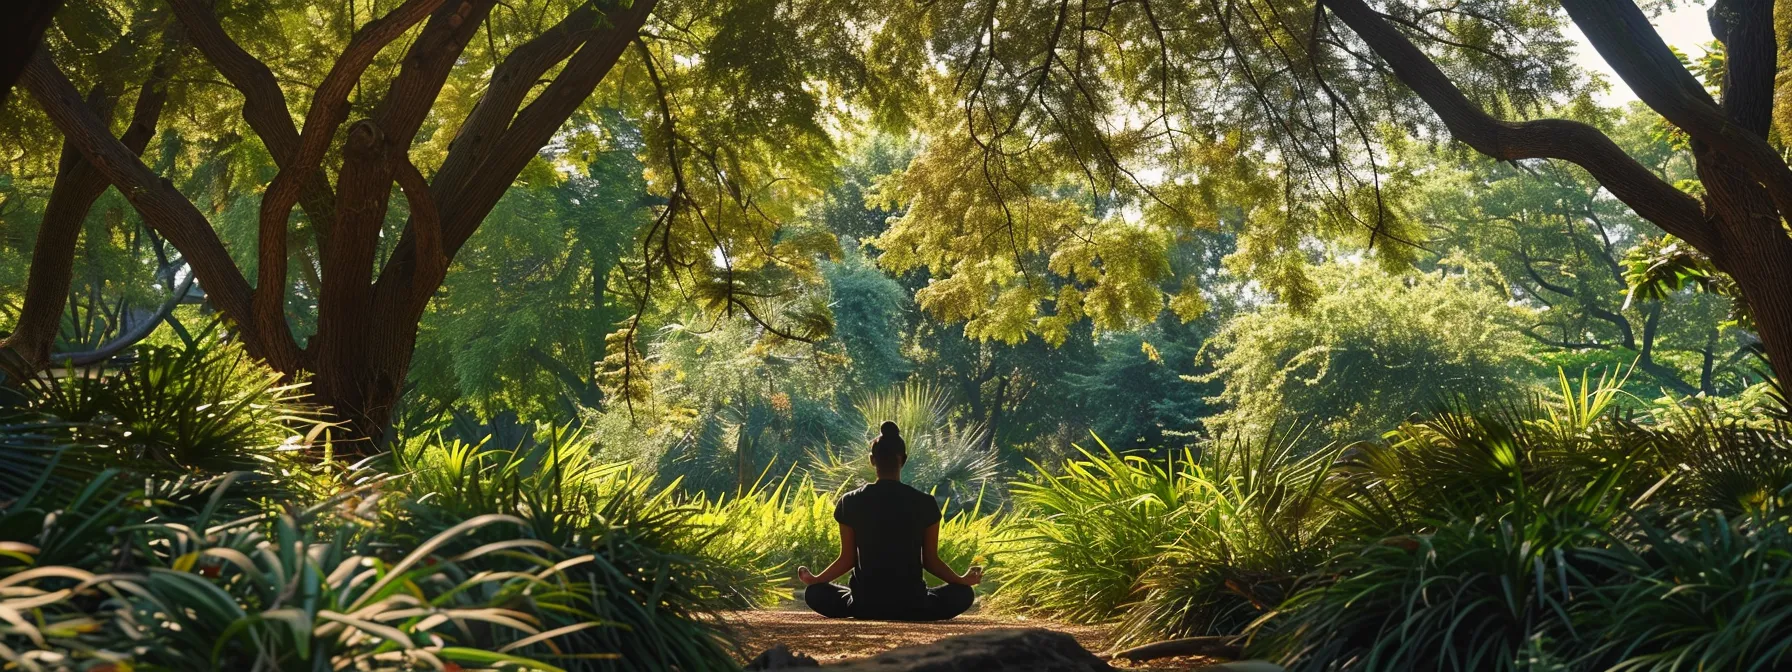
834	640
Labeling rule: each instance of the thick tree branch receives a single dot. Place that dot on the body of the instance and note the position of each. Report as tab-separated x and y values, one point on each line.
24	30
426	66
1751	59
264	106
77	186
432	263
510	84
1652	198
329	108
163	208
1622	35
497	140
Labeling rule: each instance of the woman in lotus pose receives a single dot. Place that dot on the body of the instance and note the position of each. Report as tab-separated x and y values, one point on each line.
889	532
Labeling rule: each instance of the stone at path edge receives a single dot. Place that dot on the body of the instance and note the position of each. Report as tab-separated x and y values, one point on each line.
1033	650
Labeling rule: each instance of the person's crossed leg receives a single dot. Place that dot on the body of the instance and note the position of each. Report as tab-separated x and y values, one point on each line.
836	601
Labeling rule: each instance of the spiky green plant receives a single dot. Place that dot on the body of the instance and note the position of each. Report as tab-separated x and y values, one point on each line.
1714	595
201	406
646	560
945	457
292	591
1261	526
1084	534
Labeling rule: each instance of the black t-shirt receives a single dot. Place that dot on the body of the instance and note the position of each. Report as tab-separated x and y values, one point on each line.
888	519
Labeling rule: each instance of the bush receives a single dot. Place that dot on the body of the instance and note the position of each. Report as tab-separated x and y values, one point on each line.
170	588
126	545
1373	349
202	407
1556	534
651	568
1192	545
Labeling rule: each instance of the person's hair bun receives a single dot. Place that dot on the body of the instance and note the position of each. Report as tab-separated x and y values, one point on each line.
889	429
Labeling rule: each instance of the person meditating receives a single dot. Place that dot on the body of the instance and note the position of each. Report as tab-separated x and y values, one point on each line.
889	532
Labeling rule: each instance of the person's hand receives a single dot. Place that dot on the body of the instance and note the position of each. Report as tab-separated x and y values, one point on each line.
804	575
973	576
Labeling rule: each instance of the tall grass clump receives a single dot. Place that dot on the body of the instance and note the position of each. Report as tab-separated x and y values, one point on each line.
1192	544
173	587
1556	533
654	570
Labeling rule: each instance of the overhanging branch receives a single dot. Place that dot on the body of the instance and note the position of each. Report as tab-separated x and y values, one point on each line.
1652	198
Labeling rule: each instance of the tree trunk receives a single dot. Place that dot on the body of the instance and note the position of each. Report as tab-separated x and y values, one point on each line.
78	185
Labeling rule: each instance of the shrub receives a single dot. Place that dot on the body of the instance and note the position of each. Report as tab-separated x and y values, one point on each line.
1192	545
1553	533
292	591
1372	349
125	546
1717	595
204	406
650	567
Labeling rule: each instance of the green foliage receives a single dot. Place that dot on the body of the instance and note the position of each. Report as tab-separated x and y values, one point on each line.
1372	349
1553	533
645	561
549	254
528	556
201	406
187	590
1658	267
869	310
1186	545
945	457
1136	392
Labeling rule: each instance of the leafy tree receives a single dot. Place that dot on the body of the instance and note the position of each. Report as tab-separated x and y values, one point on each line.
870	311
451	115
1371	349
1559	243
521	323
1136	393
1157	116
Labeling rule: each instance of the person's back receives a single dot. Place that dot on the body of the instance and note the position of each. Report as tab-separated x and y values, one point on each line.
888	519
889	533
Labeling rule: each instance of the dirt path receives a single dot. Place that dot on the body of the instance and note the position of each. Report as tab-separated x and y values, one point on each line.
834	640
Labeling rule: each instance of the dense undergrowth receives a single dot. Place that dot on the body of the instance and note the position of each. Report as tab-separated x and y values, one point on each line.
1558	533
183	513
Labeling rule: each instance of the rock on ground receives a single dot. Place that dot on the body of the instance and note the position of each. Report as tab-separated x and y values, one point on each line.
1031	650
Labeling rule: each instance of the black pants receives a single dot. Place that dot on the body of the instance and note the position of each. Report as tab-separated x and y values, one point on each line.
836	601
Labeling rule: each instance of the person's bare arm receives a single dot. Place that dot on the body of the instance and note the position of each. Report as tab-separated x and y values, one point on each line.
849	555
930	559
